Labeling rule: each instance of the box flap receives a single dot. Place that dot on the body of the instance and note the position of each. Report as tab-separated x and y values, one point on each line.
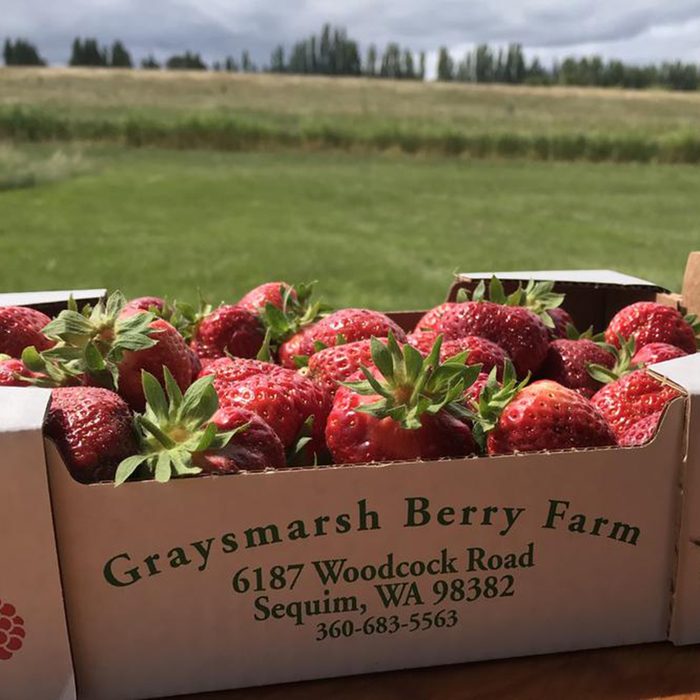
685	620
28	555
597	277
691	284
51	297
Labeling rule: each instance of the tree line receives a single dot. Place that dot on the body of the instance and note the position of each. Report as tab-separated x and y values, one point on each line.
485	64
333	52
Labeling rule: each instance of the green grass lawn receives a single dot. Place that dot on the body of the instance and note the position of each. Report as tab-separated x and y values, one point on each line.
384	231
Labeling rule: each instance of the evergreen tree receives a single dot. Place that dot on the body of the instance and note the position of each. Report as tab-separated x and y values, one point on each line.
408	70
391	62
21	53
230	64
120	56
88	53
76	56
277	60
421	66
150	63
371	62
186	61
445	69
247	65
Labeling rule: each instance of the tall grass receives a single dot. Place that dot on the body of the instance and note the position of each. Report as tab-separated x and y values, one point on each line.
20	169
238	133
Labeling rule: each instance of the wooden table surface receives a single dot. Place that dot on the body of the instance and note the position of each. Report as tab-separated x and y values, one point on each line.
627	673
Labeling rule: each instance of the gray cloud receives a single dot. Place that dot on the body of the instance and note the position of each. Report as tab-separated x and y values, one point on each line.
643	31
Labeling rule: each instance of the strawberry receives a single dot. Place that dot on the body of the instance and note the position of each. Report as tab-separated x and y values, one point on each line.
333	365
515	329
110	347
293	405
20	328
407	407
562	320
657	352
228	330
273	293
12	371
649	322
92	428
632	397
346	326
480	351
567	364
184	435
154	304
473	392
284	311
541	416
540	298
169	351
256	448
229	370
642	431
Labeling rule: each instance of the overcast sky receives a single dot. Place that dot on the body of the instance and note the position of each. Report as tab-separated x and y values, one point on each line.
634	30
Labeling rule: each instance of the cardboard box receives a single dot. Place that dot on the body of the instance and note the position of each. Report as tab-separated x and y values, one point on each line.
229	581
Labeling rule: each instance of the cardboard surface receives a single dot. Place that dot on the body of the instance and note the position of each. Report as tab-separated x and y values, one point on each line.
29	575
685	627
551	588
607	277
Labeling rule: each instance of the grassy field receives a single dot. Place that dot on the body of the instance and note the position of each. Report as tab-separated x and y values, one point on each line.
262	112
385	231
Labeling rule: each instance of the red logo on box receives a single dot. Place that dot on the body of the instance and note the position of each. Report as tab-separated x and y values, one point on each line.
12	632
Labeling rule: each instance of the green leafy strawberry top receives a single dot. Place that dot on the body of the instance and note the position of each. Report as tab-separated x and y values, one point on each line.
297	311
623	361
91	342
486	411
539	297
174	427
410	385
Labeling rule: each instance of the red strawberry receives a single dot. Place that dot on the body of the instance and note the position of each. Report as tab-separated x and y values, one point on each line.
229	370
109	346
286	401
333	365
169	351
269	293
473	392
657	352
562	320
145	304
255	448
12	371
407	407
632	397
515	329
348	325
195	363
299	345
20	328
228	329
567	364
92	428
546	416
480	352
642	431
185	435
648	322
